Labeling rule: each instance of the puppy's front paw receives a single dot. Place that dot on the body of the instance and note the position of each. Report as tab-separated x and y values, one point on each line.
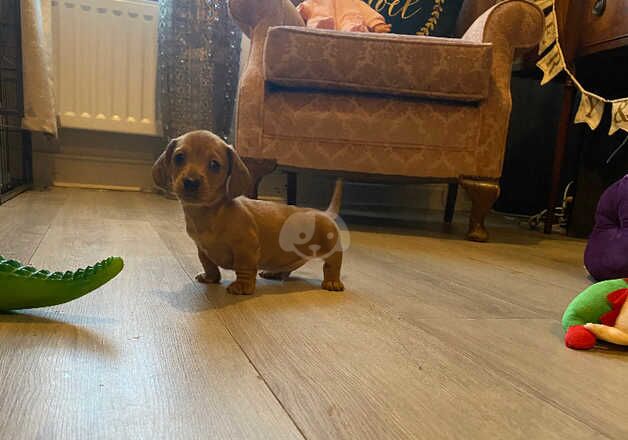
206	279
241	288
333	285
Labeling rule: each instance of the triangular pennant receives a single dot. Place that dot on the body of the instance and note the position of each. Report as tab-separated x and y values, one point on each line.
551	64
619	117
549	33
590	111
543	4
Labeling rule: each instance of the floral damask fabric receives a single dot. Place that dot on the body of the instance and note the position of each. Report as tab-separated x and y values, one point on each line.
370	133
447	68
371	119
199	55
380	133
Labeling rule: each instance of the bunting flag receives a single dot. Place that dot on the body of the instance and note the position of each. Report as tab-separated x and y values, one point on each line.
590	111
550	35
552	63
620	116
544	4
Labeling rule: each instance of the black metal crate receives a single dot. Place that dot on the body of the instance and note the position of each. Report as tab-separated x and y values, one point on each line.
15	143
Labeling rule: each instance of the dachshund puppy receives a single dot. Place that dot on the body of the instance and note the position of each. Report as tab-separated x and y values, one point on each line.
238	233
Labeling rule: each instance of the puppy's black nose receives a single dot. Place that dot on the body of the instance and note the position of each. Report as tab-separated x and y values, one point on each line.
191	185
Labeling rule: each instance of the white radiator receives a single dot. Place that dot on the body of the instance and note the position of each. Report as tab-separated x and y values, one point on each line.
105	54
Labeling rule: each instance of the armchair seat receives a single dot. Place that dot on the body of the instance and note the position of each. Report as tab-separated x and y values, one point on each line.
371	133
401	65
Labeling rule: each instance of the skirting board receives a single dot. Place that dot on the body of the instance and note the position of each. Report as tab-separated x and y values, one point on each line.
92	172
90	186
315	190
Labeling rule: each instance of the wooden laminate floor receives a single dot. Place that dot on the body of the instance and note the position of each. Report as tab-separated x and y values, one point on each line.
435	337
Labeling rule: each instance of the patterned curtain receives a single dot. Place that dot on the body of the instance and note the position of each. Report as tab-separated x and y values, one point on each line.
39	100
199	55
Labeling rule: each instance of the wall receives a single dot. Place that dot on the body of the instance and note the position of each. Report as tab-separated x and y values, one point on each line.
95	158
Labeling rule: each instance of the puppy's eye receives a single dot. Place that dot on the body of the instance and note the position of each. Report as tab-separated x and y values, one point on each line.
214	166
179	159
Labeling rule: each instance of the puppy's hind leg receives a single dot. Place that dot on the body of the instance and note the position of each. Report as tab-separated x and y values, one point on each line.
211	274
281	276
331	273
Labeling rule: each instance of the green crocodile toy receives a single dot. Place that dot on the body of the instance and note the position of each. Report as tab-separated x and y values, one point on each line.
24	287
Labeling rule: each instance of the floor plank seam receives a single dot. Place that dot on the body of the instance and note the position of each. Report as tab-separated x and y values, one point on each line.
510	378
530	390
540	312
43	236
250	361
41	240
481	259
263	379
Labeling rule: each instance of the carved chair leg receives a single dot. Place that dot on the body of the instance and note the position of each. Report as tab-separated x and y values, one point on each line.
291	188
258	168
450	207
483	194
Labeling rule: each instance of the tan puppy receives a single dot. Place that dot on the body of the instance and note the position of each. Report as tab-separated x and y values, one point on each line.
238	233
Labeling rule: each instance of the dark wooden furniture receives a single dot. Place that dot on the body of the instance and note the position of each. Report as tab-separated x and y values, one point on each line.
603	159
603	25
585	27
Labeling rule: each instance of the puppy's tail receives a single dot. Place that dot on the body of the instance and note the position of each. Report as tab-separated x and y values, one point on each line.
336	199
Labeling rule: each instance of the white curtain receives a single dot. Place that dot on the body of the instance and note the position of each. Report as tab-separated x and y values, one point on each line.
39	99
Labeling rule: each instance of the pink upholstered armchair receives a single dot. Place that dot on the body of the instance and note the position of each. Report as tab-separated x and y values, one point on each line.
401	107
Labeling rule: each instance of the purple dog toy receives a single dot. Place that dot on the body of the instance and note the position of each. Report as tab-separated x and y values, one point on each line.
606	255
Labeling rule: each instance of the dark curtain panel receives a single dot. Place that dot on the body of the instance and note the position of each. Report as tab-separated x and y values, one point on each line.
199	54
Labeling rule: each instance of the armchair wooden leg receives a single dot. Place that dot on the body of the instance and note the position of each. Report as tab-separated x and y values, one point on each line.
291	189
258	168
483	194
450	207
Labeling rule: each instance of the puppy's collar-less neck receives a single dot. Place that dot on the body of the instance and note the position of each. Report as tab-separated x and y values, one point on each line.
201	217
212	207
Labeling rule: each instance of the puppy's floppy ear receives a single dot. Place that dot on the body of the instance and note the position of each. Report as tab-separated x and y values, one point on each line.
238	177
161	168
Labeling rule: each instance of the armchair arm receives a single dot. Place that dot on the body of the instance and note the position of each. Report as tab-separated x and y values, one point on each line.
251	13
509	24
469	12
518	22
254	18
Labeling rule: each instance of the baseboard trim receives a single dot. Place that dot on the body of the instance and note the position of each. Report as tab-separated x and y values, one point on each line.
92	186
90	158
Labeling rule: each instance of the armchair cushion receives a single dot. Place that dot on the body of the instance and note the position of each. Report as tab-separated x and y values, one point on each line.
410	17
411	66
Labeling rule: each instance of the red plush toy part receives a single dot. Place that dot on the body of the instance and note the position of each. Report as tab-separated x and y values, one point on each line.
599	306
579	338
616	299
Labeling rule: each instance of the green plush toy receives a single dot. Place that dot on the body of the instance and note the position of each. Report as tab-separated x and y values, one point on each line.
24	287
599	312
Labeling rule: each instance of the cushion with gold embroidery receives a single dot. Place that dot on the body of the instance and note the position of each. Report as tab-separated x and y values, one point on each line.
419	17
